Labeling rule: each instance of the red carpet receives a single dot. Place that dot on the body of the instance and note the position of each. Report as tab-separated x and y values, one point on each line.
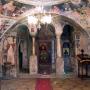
43	84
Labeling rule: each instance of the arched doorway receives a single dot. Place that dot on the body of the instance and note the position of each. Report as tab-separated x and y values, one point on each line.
24	45
68	47
46	49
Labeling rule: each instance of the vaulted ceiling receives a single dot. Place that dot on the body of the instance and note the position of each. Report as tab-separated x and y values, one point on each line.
77	10
41	2
50	2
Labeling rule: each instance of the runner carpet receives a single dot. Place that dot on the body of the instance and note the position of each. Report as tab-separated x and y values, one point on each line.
43	84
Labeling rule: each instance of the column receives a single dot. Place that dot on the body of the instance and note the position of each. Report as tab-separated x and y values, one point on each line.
33	45
33	65
1	59
59	59
58	45
53	56
0	63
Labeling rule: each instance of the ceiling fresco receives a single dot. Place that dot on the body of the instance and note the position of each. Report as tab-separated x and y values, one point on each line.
13	10
49	2
41	2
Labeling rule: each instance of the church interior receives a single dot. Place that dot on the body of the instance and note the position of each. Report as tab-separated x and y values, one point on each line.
45	44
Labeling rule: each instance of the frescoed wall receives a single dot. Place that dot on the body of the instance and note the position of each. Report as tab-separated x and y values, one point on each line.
16	45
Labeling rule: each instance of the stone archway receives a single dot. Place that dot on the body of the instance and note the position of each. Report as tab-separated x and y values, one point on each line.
60	21
73	40
45	41
68	47
24	45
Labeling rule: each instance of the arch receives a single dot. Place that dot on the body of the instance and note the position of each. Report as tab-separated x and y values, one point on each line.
74	24
68	47
24	45
45	45
49	28
22	29
62	18
69	29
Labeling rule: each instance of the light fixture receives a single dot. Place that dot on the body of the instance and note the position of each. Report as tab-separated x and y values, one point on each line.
35	21
40	16
46	19
32	20
39	19
39	9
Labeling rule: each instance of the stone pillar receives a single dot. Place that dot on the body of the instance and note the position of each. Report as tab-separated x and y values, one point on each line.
33	41
33	59
59	59
58	45
33	65
0	64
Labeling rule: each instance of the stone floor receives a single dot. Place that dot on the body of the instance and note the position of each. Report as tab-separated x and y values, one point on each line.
70	84
57	84
18	84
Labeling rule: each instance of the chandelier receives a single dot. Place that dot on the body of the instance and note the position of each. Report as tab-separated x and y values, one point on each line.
42	17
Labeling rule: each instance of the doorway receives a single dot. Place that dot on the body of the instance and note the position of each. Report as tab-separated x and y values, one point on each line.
68	47
46	49
23	60
24	46
44	57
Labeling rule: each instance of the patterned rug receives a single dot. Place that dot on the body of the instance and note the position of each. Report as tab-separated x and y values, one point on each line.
43	84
